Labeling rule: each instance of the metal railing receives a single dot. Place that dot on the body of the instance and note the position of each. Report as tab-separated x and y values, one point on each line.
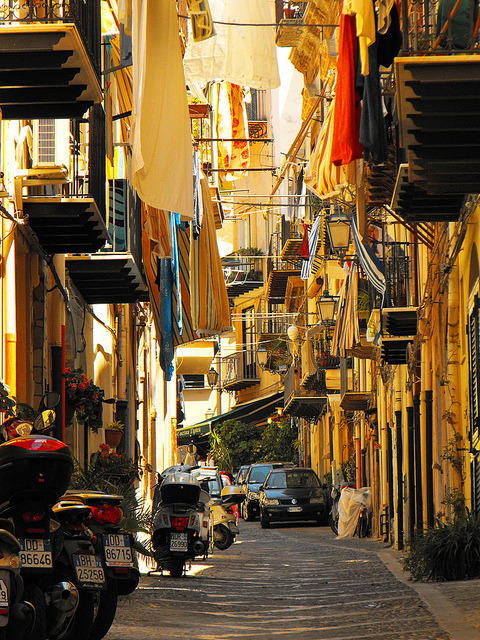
239	366
435	27
240	269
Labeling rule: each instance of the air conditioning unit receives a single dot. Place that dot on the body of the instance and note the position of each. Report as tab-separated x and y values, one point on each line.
51	147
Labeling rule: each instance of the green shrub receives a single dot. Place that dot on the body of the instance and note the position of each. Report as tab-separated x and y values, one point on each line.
447	551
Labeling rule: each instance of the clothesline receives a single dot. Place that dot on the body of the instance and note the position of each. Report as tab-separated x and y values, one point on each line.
265	24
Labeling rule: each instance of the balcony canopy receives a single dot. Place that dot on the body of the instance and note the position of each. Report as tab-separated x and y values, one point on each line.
45	72
66	225
439	121
106	278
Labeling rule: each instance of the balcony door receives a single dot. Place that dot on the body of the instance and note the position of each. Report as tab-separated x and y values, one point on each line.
248	338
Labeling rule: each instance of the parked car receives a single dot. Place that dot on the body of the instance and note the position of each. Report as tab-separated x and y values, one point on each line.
292	494
254	478
241	474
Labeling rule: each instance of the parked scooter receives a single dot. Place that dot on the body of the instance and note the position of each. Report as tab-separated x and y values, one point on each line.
180	521
223	520
115	547
59	567
16	616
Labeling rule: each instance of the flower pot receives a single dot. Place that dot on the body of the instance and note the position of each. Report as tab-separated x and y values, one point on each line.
113	437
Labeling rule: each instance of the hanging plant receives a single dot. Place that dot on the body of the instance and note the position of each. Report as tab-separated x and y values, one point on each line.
85	397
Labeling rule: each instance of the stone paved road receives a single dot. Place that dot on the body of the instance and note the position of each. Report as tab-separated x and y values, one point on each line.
284	583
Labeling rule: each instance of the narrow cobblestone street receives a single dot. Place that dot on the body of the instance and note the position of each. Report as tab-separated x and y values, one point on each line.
286	582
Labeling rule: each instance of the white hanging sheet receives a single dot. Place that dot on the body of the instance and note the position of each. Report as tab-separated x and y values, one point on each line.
244	55
161	139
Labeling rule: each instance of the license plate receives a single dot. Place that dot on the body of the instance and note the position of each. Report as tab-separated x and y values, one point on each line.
35	553
3	602
117	550
178	541
294	509
89	569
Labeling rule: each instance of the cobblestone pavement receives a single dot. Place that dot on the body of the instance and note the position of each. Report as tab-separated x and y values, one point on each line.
288	583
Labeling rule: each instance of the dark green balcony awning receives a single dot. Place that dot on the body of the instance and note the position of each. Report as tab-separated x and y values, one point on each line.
251	412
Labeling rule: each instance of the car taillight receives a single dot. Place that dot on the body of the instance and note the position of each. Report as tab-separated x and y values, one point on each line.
106	514
230	510
179	524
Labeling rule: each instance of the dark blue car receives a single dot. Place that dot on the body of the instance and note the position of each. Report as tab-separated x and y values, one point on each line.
289	495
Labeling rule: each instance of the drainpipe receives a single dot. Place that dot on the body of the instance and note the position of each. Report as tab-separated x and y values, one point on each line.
410	467
9	305
399	460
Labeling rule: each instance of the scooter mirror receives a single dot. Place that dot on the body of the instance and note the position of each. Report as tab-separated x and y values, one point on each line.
50	400
24	429
44	420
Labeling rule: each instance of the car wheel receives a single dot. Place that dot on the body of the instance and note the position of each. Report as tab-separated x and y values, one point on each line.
247	515
264	521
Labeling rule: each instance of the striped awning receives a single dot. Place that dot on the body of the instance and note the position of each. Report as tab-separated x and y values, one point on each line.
346	333
208	292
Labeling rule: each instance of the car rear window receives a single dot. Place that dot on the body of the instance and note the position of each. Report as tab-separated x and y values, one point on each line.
291	480
258	474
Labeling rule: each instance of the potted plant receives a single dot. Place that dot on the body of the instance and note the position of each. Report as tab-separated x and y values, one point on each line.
114	433
85	398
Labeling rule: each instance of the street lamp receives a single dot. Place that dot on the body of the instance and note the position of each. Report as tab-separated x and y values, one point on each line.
212	377
262	355
327	307
338	228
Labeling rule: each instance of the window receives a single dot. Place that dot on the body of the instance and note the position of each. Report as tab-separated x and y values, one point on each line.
194	380
256	109
46	141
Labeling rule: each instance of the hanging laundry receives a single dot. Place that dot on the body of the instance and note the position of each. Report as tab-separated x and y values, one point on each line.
197	196
231	122
364	13
312	248
322	177
201	19
303	248
244	55
347	110
161	169
208	292
373	132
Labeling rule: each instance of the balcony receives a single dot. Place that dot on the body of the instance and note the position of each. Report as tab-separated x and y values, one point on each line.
62	223
439	113
400	329
303	403
113	275
356	401
49	58
415	204
242	274
239	370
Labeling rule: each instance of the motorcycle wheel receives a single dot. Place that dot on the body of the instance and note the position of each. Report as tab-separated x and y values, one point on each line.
82	622
105	610
363	524
33	594
223	537
333	522
176	567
